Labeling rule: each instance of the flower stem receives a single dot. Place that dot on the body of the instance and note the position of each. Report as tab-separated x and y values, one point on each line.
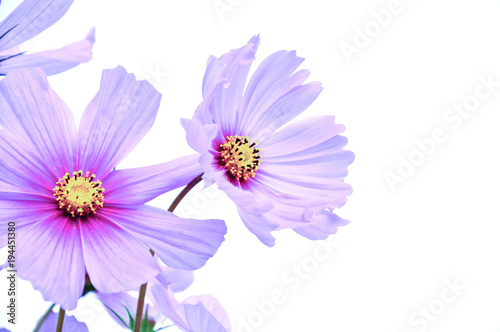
184	192
142	291
60	320
45	315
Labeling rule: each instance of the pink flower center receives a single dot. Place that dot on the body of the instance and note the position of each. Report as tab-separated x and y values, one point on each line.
79	195
240	159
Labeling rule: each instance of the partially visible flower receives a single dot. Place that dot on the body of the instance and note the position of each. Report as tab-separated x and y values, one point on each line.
291	177
73	213
201	313
120	305
29	19
195	314
71	324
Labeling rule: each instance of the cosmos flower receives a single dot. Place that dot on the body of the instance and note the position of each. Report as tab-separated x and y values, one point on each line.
119	305
73	213
200	313
195	314
290	177
29	19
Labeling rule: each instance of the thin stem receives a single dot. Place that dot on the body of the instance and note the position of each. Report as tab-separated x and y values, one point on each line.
60	320
142	290
40	322
184	192
140	308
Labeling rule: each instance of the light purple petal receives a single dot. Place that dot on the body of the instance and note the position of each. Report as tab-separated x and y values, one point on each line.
180	243
140	185
226	98
283	110
244	199
201	320
115	260
49	254
306	161
179	280
53	61
37	121
24	209
116	120
164	300
270	82
29	19
199	136
71	324
321	225
206	308
259	225
19	165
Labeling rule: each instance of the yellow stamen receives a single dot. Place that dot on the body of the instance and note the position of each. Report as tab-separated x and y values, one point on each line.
239	158
79	195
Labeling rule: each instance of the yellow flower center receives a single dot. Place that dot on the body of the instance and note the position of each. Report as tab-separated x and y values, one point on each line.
79	195
240	159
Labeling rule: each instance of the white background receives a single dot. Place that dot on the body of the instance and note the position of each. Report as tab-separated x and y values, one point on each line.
403	247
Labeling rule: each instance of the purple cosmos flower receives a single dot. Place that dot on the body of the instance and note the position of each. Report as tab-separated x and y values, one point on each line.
121	304
289	177
195	314
73	215
28	20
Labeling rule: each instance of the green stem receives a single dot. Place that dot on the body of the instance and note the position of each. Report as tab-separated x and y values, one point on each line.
60	320
142	291
40	322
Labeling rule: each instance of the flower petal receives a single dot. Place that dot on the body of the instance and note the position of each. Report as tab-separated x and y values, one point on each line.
283	110
226	98
206	311
14	207
140	185
164	300
259	225
321	226
180	243
29	19
178	280
272	79
307	162
37	121
71	324
116	261
49	254
53	61
116	120
201	320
